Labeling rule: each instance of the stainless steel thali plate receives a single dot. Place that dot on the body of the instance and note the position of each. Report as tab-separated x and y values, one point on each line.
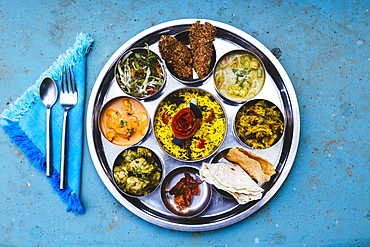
222	211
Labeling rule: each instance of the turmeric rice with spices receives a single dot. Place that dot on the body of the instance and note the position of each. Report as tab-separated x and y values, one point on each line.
206	139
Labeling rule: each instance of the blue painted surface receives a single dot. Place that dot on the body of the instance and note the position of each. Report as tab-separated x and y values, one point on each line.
324	47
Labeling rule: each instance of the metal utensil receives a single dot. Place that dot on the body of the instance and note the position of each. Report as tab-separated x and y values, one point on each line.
48	95
68	99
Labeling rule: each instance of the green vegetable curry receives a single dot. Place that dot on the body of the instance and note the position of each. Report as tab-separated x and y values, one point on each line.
137	173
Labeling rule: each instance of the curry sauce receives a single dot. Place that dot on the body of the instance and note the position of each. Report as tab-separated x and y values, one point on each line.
124	121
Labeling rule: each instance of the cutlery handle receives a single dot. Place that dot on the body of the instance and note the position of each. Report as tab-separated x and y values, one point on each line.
63	152
49	168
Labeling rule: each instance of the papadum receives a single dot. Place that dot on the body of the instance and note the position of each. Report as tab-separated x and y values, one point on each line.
258	168
232	179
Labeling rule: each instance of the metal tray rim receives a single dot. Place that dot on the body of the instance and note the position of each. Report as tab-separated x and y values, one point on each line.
289	160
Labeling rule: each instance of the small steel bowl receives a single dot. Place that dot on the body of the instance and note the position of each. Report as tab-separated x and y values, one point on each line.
246	112
230	76
156	161
198	204
117	105
129	54
194	79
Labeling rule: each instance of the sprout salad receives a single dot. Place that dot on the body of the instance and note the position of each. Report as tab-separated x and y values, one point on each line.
140	74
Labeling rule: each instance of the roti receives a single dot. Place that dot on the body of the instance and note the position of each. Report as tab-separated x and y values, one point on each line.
232	179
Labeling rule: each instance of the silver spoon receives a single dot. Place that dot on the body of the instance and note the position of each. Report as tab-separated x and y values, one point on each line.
48	95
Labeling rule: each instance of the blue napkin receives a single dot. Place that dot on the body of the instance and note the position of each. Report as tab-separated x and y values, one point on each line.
25	122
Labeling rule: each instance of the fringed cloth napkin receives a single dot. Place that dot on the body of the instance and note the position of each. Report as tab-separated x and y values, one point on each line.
25	122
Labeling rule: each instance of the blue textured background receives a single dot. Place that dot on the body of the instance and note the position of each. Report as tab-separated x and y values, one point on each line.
324	47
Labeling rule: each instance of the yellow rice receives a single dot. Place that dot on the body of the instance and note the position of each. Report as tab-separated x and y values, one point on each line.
213	132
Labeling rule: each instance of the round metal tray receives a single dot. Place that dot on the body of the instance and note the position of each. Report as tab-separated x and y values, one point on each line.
222	211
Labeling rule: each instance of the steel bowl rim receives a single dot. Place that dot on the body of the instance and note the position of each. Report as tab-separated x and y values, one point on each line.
148	129
214	71
128	53
234	124
161	164
153	124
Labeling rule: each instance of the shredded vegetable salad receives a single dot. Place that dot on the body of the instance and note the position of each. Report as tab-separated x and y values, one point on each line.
140	74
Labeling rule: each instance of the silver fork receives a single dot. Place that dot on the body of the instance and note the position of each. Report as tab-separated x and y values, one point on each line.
68	99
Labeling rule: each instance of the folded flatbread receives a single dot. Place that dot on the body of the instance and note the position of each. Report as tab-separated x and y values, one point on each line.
232	179
258	168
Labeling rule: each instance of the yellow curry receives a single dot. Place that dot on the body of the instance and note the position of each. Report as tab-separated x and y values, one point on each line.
239	76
